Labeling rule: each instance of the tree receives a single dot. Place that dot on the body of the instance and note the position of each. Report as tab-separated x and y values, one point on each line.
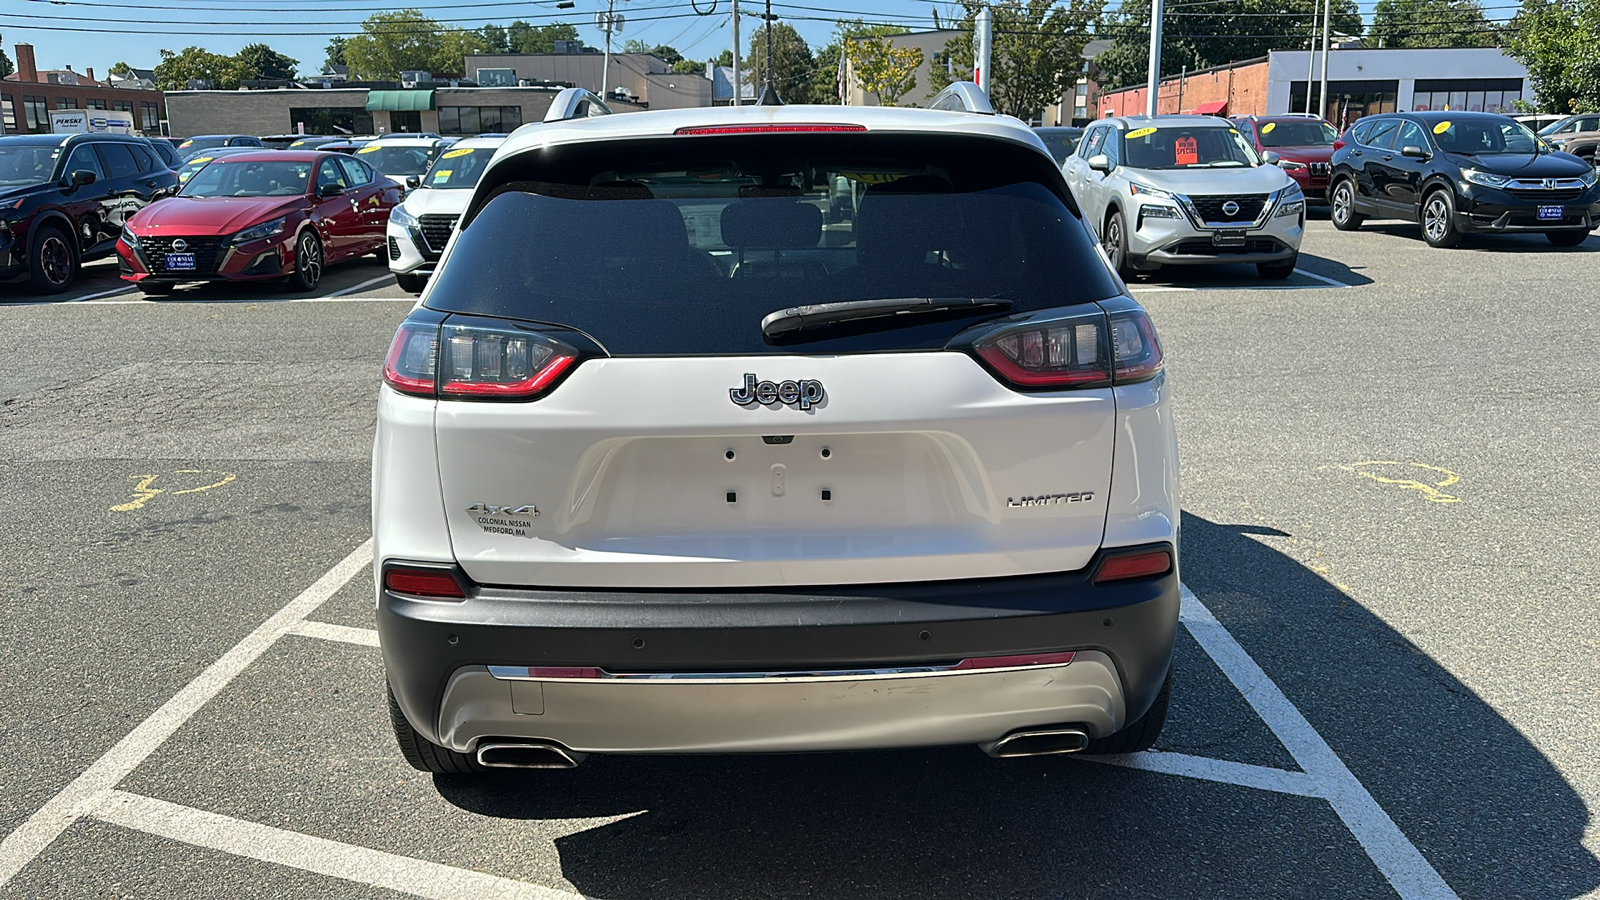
1431	23
724	59
689	67
260	62
335	51
792	64
527	38
883	67
1212	34
405	40
121	70
6	66
1037	53
1556	40
495	39
176	70
825	77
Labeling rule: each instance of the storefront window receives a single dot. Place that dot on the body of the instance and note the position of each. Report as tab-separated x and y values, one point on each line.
331	120
479	119
1494	95
1348	100
150	115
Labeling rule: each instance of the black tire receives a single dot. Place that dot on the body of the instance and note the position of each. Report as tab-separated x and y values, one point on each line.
1140	734
157	289
1342	206
410	282
1439	219
1115	241
1567	238
52	261
423	754
308	263
1278	270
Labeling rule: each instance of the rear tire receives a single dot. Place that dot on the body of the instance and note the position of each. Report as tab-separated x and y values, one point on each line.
1439	220
423	754
52	261
1139	735
1115	242
1342	206
410	282
1278	270
1567	238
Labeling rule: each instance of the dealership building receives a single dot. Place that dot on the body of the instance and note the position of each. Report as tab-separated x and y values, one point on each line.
28	95
1360	82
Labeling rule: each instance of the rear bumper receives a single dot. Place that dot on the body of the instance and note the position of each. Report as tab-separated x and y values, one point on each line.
439	656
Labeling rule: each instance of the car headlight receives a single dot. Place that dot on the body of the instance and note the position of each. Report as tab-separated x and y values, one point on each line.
1487	179
1159	211
1588	178
1137	188
1289	165
264	230
1291	202
129	238
400	217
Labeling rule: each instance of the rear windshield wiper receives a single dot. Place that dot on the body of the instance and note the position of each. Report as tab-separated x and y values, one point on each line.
793	322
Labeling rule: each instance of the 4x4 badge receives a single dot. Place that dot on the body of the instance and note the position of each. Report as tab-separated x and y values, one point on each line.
803	394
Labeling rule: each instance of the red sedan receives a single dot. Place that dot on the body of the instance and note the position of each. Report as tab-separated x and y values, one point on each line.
273	215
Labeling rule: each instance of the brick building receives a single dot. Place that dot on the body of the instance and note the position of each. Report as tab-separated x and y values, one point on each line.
28	95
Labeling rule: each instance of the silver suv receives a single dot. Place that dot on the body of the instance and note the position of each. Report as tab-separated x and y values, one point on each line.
1184	191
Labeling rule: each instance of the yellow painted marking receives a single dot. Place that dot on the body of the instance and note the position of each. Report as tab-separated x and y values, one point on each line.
1139	133
464	151
1442	127
145	490
1267	128
1430	488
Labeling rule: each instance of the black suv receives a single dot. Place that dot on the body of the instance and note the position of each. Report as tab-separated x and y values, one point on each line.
1457	173
64	197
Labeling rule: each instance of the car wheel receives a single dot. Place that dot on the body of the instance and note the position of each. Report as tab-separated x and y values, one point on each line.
1141	734
307	263
1280	269
424	755
52	262
410	282
1567	238
156	289
1342	207
1439	220
1115	242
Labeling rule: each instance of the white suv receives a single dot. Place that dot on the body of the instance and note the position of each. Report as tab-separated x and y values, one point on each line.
422	224
774	429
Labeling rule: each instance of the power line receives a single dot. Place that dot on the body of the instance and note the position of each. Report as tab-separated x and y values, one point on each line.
344	32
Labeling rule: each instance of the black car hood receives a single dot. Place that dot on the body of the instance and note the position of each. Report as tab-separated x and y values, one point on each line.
1525	165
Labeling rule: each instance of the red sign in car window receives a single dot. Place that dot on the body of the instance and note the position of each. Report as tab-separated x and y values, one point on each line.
1185	151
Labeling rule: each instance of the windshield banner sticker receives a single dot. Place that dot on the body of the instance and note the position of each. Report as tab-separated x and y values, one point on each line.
1186	151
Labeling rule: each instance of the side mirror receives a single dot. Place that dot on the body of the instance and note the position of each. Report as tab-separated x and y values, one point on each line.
1271	158
413	182
329	190
1100	162
82	177
1413	151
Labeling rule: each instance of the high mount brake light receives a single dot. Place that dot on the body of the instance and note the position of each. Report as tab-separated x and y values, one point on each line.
423	583
791	128
473	362
1133	565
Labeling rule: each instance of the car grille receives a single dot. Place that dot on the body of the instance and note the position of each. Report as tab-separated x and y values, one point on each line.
1540	194
207	251
436	231
1209	206
1318	168
394	248
1199	247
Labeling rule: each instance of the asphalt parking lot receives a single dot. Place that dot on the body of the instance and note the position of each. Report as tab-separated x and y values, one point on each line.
1385	687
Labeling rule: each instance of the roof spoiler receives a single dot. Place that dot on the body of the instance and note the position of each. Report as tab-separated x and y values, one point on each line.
576	103
963	96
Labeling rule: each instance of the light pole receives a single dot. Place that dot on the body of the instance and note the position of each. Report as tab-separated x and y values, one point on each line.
737	87
1327	15
1158	10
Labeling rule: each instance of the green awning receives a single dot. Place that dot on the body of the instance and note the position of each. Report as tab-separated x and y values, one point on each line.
399	101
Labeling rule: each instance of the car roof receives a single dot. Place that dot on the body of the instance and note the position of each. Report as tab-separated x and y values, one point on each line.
196	137
268	154
1440	115
476	143
1169	121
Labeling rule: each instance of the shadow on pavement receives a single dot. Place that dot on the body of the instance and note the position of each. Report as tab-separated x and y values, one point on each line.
1483	805
1244	276
1483	243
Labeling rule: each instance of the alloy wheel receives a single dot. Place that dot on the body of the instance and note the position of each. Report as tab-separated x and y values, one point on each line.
1113	241
1341	203
56	258
1436	218
310	260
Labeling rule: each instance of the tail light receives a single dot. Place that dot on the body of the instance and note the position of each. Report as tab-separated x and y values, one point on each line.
1092	351
423	583
475	362
1133	565
1338	142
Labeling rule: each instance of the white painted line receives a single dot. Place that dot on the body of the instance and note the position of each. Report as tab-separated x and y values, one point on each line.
1322	278
349	290
348	862
366	637
1159	288
1205	768
87	297
59	812
1391	851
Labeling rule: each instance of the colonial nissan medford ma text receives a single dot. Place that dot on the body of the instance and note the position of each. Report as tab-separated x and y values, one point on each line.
774	429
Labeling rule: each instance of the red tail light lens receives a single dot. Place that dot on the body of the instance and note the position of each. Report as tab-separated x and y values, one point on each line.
1134	565
1134	347
472	362
423	583
1338	143
775	128
1050	355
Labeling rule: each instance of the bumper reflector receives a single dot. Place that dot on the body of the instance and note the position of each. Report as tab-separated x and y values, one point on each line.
1136	565
423	583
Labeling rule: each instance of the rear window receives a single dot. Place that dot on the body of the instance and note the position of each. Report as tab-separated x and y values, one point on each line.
682	246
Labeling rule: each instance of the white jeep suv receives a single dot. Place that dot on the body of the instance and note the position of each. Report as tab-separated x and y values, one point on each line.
774	429
423	222
1185	191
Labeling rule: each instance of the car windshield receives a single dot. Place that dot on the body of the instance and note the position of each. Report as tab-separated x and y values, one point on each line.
391	160
1186	147
1483	137
27	165
684	246
1306	133
189	167
242	178
1555	126
1061	142
194	145
459	168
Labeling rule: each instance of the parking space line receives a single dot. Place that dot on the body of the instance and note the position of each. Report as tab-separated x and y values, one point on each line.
1205	768
1322	278
348	862
1391	851
366	637
351	290
58	813
116	290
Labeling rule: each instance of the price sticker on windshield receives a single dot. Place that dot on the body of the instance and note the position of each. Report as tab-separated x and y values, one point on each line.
441	175
1186	151
1139	133
1442	127
464	151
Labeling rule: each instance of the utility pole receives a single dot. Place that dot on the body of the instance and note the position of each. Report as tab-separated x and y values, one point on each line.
1158	11
983	48
1327	15
769	91
737	84
1311	55
609	22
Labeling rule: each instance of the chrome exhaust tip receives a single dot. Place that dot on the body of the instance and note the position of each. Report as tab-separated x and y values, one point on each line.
527	755
1039	743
